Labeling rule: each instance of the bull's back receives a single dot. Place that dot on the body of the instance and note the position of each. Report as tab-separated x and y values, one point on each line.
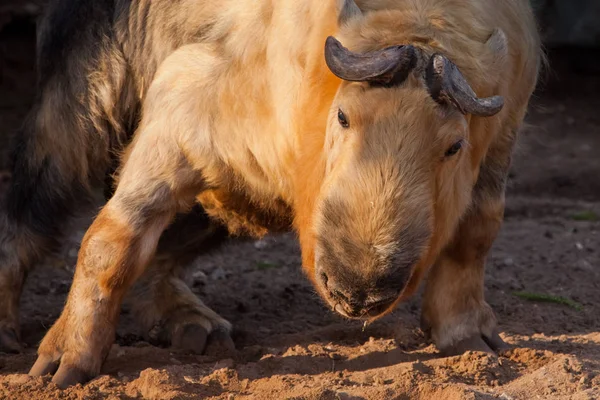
71	36
517	21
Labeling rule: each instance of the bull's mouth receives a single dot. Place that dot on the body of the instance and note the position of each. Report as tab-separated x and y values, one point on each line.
367	312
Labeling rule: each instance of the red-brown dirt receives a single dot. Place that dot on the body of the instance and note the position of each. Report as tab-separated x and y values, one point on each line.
293	347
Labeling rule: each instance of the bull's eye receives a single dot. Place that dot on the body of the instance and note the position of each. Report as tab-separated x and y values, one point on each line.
342	119
454	149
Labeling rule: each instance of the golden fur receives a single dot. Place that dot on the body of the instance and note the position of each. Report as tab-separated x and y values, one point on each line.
251	111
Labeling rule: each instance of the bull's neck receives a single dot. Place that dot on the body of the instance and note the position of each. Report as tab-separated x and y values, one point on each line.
316	96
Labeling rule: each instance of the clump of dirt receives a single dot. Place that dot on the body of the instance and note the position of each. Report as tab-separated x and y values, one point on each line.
292	347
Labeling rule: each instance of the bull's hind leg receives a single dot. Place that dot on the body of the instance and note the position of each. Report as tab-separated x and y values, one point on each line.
455	312
83	111
156	182
169	312
56	165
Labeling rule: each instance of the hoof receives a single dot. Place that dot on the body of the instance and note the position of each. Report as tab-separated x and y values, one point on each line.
64	375
192	338
67	376
9	341
44	365
220	344
482	343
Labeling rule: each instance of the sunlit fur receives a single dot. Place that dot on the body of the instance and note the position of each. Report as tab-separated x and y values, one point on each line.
403	134
246	119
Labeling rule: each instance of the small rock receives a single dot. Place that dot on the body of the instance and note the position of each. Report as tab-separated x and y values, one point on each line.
261	244
120	352
225	364
345	396
584	382
218	274
199	278
244	384
19	379
175	361
509	262
579	246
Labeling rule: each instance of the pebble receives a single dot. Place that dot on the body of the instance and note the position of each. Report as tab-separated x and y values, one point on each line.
378	380
19	379
261	244
218	274
227	364
345	396
199	277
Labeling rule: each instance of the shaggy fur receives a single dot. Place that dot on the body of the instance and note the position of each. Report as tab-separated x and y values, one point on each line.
238	110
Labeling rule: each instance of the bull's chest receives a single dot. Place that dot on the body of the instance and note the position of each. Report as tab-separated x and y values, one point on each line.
246	216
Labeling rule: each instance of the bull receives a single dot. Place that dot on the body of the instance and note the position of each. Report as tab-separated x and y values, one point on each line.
381	131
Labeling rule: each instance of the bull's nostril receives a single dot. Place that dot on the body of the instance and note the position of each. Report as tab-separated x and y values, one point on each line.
324	278
339	295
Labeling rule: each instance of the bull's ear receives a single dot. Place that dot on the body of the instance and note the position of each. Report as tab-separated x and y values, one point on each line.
348	11
498	45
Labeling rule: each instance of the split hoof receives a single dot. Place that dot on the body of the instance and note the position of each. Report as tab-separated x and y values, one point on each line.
482	343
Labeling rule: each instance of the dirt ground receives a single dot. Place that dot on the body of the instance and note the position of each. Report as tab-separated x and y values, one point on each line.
293	347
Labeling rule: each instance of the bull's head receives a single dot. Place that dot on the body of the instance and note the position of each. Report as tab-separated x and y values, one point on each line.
399	173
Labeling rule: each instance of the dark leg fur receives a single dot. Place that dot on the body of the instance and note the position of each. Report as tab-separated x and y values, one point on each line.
62	153
169	312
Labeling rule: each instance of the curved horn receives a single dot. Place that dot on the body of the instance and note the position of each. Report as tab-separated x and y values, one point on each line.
447	85
377	66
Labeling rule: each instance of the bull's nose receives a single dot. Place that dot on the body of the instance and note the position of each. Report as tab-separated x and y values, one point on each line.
356	302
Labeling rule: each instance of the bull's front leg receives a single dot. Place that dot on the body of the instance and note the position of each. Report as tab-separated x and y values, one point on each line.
455	313
168	311
156	182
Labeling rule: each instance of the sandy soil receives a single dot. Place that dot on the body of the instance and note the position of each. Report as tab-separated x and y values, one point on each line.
292	347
